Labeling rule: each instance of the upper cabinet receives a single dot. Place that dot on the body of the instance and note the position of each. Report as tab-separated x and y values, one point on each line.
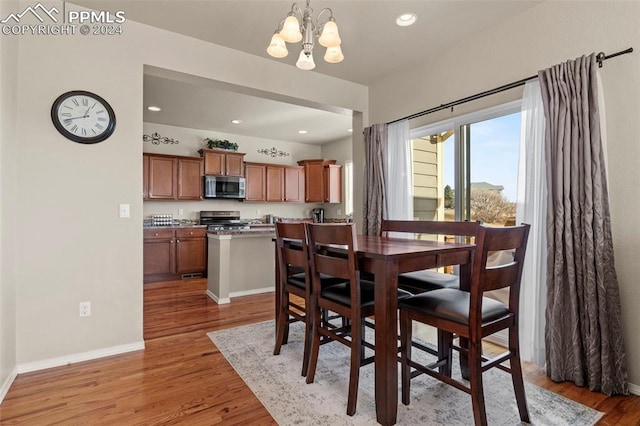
222	163
169	177
323	181
274	183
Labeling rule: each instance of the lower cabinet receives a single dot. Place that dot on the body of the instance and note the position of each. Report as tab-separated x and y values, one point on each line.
171	254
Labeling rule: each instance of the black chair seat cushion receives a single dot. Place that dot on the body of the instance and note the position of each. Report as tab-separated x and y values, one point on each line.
325	280
421	281
453	305
341	293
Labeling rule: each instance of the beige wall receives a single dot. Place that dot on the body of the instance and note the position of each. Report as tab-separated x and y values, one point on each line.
73	247
543	36
341	151
8	184
191	140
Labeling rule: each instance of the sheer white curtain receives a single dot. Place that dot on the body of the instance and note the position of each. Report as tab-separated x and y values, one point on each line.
531	208
398	173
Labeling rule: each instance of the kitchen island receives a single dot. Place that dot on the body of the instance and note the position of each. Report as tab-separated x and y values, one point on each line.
240	263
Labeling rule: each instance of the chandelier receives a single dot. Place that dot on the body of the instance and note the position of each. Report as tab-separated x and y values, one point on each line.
298	26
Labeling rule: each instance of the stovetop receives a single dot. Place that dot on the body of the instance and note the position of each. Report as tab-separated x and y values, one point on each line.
222	220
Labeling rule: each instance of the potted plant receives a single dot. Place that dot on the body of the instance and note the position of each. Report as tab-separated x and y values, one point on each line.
221	144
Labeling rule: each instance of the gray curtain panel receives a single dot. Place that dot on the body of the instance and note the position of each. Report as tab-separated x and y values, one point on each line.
583	337
375	142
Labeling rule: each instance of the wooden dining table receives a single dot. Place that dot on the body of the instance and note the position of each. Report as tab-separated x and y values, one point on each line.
386	258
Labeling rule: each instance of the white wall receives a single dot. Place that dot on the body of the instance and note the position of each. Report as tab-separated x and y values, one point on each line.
72	246
543	36
192	140
8	183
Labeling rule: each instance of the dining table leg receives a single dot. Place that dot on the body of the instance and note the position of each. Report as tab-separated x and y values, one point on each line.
386	352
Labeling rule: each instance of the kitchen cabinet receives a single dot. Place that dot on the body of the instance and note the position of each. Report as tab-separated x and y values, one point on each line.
256	180
170	254
189	181
170	177
294	184
274	183
323	181
222	163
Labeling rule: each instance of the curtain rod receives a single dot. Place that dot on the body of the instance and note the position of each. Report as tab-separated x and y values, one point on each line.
599	58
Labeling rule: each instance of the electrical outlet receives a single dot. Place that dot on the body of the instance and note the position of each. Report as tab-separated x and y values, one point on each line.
85	309
257	212
339	212
180	212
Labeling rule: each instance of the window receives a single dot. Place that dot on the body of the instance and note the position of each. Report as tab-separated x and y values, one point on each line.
348	188
467	168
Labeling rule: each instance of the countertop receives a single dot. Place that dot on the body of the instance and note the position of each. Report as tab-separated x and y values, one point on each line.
173	226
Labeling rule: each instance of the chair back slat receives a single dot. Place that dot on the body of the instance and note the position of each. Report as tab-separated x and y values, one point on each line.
497	277
332	265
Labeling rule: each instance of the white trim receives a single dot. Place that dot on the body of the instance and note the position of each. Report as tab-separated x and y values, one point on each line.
79	357
634	389
7	383
470	118
252	292
218	300
500	339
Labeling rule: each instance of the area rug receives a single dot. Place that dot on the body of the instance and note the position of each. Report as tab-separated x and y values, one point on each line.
277	382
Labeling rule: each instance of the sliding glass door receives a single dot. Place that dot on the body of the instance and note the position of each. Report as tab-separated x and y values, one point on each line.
467	168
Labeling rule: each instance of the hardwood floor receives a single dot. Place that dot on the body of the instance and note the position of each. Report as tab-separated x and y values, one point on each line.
181	378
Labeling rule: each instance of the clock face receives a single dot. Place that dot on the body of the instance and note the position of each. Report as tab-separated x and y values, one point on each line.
83	117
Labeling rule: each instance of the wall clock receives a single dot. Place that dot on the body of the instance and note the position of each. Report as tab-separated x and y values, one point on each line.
83	117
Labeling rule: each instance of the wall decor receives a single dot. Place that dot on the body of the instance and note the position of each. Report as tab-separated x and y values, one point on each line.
156	139
273	152
221	144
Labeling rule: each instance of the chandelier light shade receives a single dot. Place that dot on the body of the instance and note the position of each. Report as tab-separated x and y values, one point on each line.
300	25
277	48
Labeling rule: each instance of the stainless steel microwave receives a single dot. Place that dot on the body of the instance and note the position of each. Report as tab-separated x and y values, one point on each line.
224	187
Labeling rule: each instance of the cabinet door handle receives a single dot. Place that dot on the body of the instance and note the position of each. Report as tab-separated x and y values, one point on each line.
190	233
156	234
177	241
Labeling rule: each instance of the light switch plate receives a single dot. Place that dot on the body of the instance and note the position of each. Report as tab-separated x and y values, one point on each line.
124	211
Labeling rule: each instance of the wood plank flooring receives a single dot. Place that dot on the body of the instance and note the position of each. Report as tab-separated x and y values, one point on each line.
181	377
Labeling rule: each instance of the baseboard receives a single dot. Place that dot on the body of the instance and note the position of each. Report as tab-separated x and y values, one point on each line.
7	383
634	389
500	339
251	292
218	300
79	357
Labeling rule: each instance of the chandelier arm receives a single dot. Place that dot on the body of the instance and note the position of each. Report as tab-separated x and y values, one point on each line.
326	9
295	10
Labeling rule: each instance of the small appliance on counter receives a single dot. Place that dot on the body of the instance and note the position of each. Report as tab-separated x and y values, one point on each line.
317	215
223	220
161	220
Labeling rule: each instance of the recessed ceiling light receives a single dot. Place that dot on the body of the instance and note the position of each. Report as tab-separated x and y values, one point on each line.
302	132
154	108
406	19
350	130
236	121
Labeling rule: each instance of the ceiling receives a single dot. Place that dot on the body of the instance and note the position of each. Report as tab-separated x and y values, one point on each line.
373	45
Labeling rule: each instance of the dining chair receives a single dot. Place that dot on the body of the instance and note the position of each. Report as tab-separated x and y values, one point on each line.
472	316
332	250
293	263
428	280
